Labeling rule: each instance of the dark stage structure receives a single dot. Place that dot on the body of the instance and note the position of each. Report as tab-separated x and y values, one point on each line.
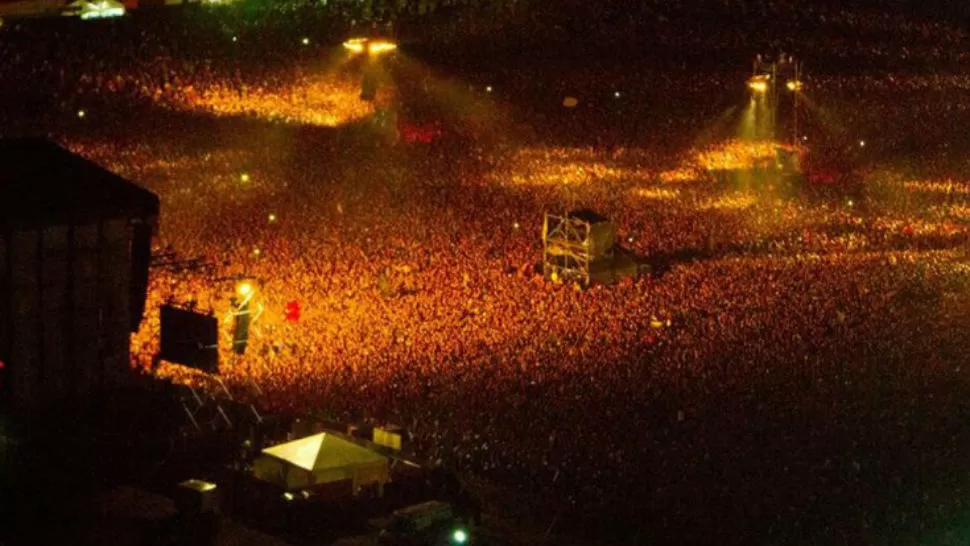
190	338
75	247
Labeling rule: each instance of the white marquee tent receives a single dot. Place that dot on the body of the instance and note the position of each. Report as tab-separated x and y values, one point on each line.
319	460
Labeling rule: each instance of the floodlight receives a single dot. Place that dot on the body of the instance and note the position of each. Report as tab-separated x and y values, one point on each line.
794	85
355	45
372	47
380	46
459	536
758	84
244	288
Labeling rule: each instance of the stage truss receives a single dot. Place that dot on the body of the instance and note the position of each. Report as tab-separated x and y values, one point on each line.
572	243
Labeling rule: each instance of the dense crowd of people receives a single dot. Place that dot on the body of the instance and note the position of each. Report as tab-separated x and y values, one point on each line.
768	313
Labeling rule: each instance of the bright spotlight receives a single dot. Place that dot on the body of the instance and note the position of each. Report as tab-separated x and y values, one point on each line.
862	143
244	177
459	536
616	94
305	41
244	289
378	47
794	85
372	47
81	114
272	217
758	84
355	45
488	89
235	39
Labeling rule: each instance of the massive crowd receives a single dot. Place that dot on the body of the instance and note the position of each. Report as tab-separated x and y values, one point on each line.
771	321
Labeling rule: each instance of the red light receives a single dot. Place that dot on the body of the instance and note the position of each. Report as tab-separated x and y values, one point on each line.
292	311
2	364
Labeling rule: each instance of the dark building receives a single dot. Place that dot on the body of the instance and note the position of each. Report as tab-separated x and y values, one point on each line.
75	244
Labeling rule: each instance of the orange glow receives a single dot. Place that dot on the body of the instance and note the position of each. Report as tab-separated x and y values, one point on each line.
326	101
736	154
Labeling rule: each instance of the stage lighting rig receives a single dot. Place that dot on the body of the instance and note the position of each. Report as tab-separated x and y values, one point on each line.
759	84
243	312
767	74
371	46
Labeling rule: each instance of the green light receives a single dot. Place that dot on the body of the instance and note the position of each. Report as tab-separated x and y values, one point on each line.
459	536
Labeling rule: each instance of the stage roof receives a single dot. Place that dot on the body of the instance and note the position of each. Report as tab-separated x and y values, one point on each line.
43	184
322	451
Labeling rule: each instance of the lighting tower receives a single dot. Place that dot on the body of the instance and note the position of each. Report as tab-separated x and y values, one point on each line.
373	49
764	82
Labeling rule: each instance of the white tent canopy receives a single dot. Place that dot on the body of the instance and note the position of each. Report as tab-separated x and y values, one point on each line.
95	9
321	459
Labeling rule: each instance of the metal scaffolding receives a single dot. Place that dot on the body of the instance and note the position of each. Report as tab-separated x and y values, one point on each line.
572	243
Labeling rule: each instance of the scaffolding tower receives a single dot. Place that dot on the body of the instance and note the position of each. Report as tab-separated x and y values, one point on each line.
574	245
769	77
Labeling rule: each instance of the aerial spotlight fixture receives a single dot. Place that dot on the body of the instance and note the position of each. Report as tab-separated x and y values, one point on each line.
759	84
371	47
794	85
378	47
355	45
